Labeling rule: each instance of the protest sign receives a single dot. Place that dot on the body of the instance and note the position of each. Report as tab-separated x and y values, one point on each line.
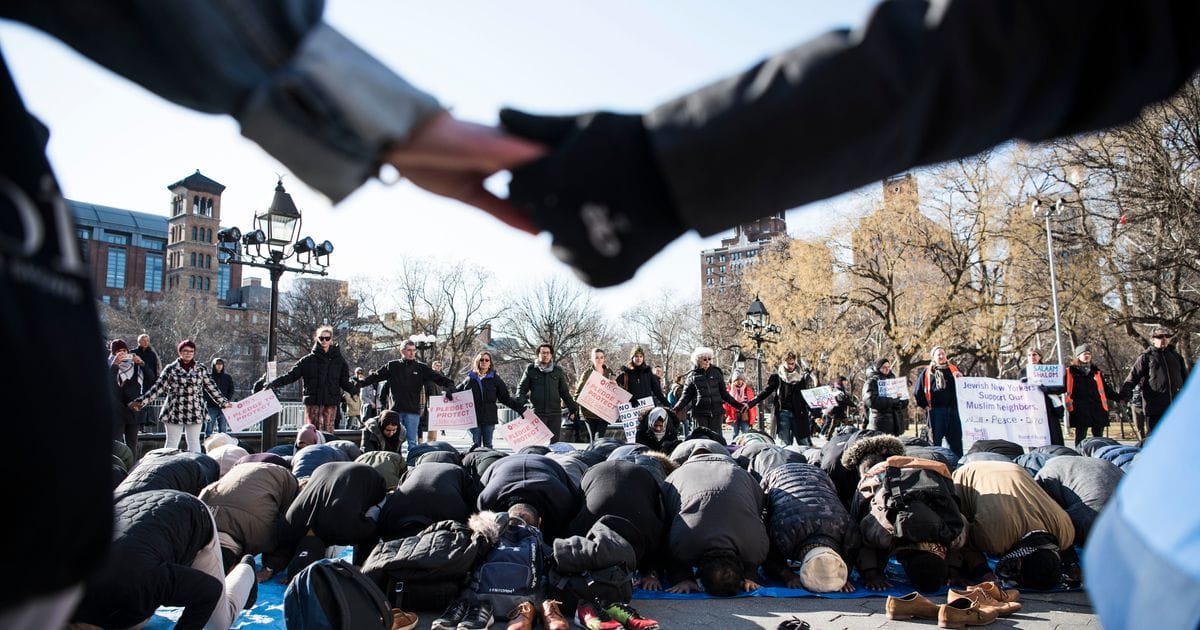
995	409
1044	374
893	388
256	408
458	414
628	414
601	397
528	430
823	396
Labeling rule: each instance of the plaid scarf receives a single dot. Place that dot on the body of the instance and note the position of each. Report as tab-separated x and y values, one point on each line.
1008	568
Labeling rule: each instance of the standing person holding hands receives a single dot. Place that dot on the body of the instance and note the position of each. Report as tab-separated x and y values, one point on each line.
406	380
184	382
128	377
935	391
705	387
326	375
487	388
1087	395
544	386
592	426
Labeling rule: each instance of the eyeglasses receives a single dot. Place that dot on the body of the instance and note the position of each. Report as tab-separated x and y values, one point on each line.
485	360
325	338
187	351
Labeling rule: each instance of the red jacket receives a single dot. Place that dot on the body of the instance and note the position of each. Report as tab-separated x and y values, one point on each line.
743	394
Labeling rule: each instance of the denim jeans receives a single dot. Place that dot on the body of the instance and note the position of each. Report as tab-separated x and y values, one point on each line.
944	423
740	426
483	435
412	423
216	422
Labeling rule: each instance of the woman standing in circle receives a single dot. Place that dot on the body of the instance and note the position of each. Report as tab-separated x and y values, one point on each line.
487	388
184	382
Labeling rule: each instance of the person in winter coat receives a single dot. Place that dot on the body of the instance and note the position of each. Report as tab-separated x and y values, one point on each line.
807	522
353	410
487	388
628	490
430	492
1014	519
368	395
639	379
184	383
128	378
884	413
326	375
165	552
658	429
935	392
189	473
742	419
216	418
384	433
791	411
596	426
1054	410
339	505
544	387
704	389
1160	372
924	529
1082	486
536	480
248	505
716	526
1087	393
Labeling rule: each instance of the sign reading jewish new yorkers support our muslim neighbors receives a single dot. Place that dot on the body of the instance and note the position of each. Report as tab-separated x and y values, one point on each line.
601	397
458	414
995	409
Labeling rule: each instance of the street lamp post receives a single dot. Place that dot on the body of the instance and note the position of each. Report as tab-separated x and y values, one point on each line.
424	343
759	329
276	230
1056	211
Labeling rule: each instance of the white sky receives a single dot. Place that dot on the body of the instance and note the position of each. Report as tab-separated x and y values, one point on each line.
115	144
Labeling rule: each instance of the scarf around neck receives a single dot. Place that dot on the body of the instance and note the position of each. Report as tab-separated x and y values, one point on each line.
791	378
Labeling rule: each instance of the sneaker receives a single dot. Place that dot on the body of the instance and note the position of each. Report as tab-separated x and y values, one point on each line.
403	620
587	616
454	614
629	616
552	617
478	617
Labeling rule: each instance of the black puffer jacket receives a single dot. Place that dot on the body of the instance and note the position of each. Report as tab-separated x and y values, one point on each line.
1082	486
803	509
844	479
640	381
428	493
687	448
625	489
487	391
156	538
334	503
325	374
884	414
406	382
783	394
170	472
771	458
536	480
705	387
446	550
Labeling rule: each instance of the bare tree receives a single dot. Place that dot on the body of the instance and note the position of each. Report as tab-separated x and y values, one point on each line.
311	303
559	313
670	329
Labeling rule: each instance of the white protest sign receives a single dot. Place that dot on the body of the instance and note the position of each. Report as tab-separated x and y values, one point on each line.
601	397
527	430
252	409
628	415
1045	374
458	414
994	409
893	388
823	396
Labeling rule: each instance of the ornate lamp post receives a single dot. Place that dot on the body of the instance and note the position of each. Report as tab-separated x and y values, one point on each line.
272	244
424	342
760	330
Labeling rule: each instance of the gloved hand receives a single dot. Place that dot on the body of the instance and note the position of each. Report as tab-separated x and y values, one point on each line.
599	192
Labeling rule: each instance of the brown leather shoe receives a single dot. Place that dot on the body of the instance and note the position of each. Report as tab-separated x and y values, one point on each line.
522	617
403	620
552	617
912	605
964	612
995	592
985	601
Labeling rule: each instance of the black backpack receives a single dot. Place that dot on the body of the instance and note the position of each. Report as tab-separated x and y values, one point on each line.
922	505
514	569
334	595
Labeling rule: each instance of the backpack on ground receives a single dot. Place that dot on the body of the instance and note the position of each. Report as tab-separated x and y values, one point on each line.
922	505
514	570
334	595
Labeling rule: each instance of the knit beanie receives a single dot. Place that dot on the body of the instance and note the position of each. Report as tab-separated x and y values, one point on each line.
117	345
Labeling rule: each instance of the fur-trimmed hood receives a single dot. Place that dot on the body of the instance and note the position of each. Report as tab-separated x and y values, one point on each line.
883	445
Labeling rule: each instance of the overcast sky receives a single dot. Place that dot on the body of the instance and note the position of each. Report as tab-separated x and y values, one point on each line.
115	144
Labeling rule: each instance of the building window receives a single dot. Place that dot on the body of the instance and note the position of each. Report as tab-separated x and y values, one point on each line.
191	282
120	300
207	283
83	233
722	279
223	272
116	238
722	259
114	275
177	205
708	271
157	244
722	268
208	261
154	273
106	299
709	261
193	259
710	282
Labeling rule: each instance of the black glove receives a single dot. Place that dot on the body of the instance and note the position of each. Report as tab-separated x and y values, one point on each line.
599	192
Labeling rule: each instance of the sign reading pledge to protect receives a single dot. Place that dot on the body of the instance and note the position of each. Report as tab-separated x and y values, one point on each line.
252	409
527	430
458	414
601	397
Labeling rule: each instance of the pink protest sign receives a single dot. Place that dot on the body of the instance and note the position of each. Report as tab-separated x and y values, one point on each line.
527	430
252	409
601	397
458	414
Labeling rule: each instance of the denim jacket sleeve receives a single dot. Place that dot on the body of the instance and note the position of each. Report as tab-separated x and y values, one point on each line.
300	89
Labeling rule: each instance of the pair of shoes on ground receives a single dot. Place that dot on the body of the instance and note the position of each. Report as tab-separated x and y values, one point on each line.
595	615
465	615
977	606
